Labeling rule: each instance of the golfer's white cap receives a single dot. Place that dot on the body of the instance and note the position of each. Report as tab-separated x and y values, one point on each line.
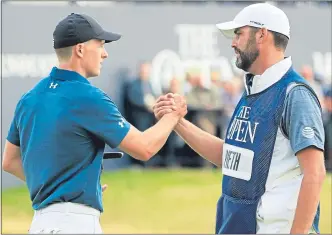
260	15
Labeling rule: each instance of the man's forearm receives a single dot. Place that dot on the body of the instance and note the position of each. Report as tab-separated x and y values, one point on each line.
155	137
307	204
16	169
206	145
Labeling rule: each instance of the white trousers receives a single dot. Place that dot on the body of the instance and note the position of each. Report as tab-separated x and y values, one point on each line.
66	218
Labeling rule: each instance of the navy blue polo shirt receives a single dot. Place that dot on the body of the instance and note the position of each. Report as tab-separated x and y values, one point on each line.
61	126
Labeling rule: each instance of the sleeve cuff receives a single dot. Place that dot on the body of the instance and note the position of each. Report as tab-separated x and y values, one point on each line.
306	144
121	136
13	141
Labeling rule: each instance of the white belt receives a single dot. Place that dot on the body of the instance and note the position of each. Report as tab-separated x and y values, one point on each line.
68	207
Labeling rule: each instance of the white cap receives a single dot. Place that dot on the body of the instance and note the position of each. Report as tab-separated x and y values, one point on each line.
260	15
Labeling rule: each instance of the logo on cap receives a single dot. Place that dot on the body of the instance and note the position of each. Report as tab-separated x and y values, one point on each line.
255	22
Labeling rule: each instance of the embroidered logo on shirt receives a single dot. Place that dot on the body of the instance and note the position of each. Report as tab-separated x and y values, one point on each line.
308	132
53	85
121	123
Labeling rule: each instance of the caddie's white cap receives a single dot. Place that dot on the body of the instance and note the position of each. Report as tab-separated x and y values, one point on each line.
259	15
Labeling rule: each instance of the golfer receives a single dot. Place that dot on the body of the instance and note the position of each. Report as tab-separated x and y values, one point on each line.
60	127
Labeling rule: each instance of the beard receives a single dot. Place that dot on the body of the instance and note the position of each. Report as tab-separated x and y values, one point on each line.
247	57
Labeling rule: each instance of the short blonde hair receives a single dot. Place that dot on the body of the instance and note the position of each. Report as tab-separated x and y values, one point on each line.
64	53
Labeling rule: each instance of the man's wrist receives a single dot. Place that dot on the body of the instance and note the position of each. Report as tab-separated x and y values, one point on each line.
173	116
180	123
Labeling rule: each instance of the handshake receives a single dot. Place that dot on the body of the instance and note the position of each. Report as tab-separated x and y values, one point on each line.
170	104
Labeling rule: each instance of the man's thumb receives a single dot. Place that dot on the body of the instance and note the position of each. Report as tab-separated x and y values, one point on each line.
170	95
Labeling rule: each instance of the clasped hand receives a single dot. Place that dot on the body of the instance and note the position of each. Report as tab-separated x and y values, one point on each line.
172	104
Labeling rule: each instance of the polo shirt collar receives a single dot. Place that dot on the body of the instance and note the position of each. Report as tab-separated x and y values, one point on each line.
63	74
258	83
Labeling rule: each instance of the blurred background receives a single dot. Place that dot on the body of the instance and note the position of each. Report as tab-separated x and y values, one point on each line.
167	46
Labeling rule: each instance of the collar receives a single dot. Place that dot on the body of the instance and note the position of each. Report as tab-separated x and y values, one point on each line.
69	75
270	76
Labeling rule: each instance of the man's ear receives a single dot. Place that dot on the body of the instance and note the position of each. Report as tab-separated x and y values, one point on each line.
79	49
262	35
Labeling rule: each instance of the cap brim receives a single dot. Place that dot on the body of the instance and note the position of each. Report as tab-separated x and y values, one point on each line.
109	37
227	28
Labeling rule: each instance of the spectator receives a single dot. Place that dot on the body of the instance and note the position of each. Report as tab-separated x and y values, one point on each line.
168	153
232	91
205	101
328	128
140	99
308	74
